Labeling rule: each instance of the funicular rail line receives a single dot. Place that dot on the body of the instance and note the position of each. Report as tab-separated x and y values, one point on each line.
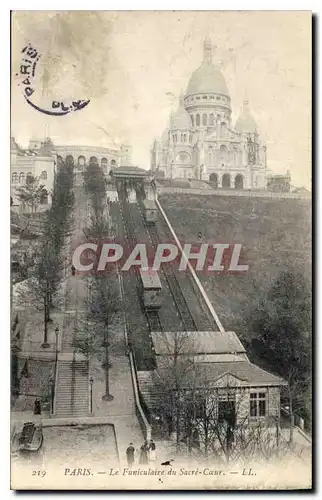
152	315
187	319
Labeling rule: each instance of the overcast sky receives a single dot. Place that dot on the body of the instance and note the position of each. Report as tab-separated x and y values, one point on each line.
133	65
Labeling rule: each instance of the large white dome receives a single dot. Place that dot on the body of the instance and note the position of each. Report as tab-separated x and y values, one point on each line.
207	78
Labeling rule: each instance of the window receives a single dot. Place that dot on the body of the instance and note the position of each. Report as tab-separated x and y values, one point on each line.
205	97
257	404
43	175
218	98
211	120
184	137
198	98
81	161
181	137
204	119
29	178
197	120
14	178
192	121
21	178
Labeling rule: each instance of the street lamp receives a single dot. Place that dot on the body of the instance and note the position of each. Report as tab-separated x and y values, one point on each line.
52	394
56	343
91	380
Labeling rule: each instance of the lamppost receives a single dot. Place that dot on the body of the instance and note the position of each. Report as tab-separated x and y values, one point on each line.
91	380
52	394
56	345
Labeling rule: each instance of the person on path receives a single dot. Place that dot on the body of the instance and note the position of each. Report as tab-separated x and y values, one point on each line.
37	407
73	270
144	459
152	453
130	454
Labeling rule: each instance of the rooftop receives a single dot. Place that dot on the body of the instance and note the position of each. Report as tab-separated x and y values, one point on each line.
242	373
166	343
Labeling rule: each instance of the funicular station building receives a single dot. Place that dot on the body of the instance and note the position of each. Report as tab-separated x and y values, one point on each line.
209	358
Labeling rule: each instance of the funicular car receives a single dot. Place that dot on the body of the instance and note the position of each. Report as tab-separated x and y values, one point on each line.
151	289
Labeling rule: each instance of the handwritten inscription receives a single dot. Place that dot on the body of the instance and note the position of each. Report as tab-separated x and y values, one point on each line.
28	66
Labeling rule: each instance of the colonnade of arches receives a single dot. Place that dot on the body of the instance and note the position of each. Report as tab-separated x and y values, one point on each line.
228	181
208	120
82	161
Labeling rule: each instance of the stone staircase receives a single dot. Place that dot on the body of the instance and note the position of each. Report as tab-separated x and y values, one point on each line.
72	389
148	386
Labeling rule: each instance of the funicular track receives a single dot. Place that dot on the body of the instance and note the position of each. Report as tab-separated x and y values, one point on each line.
188	322
151	315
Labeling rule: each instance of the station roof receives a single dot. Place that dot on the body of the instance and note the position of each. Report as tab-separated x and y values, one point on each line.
244	373
129	172
194	343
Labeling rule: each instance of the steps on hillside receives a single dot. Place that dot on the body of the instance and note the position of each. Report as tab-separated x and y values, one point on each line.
149	389
72	391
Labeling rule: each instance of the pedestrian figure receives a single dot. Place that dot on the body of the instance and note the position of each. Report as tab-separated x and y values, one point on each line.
37	407
73	270
144	459
152	452
130	455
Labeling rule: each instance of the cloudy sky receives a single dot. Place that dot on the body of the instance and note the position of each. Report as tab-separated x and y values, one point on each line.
133	65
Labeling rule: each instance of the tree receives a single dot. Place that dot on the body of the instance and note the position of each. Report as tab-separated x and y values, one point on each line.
31	193
282	325
103	305
176	368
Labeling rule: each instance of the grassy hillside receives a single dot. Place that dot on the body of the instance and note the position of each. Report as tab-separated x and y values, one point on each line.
275	236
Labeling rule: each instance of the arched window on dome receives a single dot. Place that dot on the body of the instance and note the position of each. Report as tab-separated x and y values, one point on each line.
181	137
14	178
211	120
184	137
197	120
204	119
22	178
192	120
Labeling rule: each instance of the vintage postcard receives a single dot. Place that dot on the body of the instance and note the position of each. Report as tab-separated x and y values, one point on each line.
161	250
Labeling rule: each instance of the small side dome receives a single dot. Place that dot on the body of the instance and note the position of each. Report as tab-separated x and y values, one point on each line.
181	119
165	135
245	122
